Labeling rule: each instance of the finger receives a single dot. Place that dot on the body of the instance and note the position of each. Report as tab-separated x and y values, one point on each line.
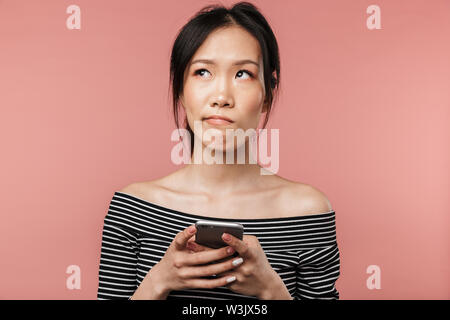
192	245
212	269
182	237
210	283
226	275
240	246
208	256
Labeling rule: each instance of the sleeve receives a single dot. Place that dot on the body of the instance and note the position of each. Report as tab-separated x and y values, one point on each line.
317	272
118	262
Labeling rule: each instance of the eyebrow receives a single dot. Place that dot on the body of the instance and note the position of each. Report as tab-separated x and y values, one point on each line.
236	63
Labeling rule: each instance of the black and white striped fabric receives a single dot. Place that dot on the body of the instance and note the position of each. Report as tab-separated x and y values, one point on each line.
136	233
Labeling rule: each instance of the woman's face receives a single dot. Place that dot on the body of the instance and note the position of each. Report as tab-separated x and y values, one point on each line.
219	86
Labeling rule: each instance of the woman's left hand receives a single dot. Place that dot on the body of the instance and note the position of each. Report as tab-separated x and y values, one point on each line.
254	276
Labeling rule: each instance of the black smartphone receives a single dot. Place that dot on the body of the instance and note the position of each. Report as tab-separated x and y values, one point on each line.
209	233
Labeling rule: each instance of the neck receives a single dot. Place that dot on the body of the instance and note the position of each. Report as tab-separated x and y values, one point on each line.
221	178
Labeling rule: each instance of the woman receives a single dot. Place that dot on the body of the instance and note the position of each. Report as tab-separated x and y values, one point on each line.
289	249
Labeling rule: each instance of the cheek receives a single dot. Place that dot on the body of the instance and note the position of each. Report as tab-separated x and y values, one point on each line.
193	98
253	97
253	104
188	93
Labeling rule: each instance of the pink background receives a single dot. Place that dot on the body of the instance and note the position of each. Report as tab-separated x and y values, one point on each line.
363	116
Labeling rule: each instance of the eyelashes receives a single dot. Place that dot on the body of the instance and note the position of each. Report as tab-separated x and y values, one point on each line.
198	71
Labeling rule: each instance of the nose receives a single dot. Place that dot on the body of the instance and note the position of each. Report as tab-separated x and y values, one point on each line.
221	101
222	96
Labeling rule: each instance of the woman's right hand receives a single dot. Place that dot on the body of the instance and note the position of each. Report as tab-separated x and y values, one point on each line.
182	268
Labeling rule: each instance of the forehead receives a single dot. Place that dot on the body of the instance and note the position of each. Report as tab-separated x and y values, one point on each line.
228	44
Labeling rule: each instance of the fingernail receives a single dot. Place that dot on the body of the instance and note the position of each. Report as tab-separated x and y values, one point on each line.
231	279
237	262
191	229
226	237
230	250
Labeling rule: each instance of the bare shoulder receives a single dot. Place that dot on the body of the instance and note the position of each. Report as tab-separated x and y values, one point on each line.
303	199
164	191
132	188
148	190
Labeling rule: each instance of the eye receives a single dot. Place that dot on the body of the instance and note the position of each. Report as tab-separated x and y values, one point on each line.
200	71
246	71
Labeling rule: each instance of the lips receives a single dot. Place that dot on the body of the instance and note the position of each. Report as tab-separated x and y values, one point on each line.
217	117
217	120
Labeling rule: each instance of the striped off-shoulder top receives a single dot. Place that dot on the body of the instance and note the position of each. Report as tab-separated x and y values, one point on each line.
136	233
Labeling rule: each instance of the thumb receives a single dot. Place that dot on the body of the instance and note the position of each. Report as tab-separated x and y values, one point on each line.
182	237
